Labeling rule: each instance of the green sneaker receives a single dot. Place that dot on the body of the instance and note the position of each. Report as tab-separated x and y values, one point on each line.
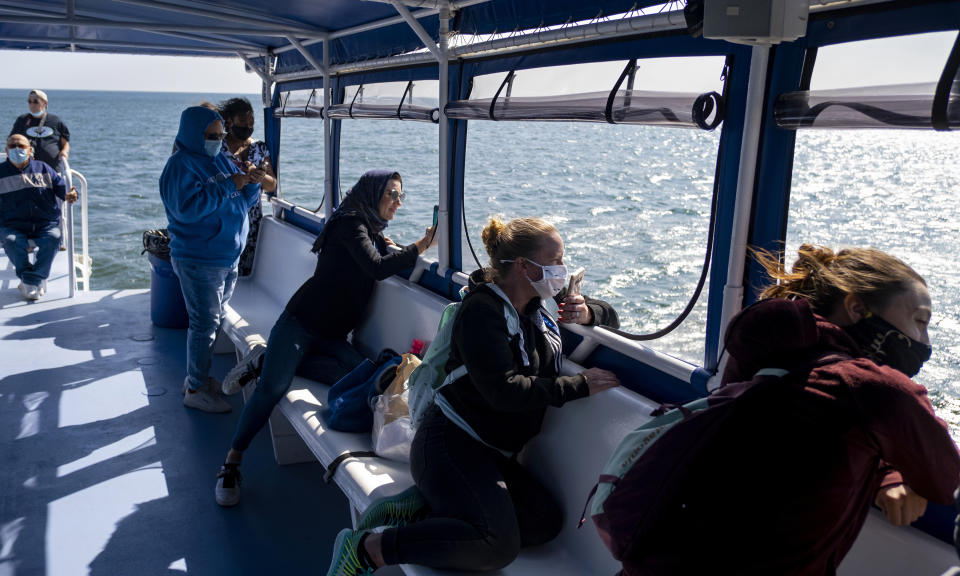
394	511
346	560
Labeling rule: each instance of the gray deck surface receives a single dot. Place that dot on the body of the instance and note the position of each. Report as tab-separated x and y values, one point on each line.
102	469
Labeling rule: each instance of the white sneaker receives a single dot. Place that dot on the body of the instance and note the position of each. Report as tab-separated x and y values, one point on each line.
30	292
246	371
207	399
229	479
211	381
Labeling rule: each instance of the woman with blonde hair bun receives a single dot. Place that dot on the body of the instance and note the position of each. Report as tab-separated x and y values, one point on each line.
474	505
788	487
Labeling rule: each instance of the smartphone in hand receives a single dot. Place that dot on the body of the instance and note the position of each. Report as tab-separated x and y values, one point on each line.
576	279
436	215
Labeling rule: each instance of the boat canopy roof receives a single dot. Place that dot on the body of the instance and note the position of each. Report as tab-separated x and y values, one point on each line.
357	30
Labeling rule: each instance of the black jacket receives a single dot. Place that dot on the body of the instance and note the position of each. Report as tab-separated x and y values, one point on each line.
334	300
500	398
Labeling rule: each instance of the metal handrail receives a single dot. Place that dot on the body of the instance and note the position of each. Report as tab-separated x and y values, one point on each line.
83	263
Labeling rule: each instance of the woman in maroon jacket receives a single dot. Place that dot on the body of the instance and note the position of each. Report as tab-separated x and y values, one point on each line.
787	490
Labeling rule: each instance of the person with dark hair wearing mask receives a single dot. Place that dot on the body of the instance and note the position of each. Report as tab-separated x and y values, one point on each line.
206	199
310	337
240	148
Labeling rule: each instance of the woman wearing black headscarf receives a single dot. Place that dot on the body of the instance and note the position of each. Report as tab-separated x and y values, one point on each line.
352	255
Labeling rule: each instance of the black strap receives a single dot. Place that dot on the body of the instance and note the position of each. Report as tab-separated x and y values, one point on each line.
403	99
941	99
355	94
608	109
332	468
493	103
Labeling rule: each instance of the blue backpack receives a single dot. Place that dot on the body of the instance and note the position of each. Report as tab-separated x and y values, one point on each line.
349	399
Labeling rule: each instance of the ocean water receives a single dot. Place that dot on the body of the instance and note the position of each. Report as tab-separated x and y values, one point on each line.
632	203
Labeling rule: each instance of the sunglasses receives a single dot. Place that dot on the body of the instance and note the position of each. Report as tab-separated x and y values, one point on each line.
34	101
20	146
217	136
396	195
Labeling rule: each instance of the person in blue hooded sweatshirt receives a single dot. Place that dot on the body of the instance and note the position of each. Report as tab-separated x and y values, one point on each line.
310	337
206	199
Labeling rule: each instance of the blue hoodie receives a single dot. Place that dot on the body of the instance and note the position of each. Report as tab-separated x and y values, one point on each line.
206	213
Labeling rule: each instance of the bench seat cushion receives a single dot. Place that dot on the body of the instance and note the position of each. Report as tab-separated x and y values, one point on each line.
362	480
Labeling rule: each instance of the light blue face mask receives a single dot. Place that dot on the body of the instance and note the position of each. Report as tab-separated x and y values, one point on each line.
36	114
211	147
18	155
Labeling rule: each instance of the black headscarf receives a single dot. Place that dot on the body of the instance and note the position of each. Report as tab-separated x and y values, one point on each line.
362	201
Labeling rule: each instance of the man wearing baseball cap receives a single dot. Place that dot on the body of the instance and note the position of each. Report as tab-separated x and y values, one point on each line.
48	135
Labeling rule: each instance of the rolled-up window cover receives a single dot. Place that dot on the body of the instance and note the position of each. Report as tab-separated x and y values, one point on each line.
897	106
682	109
300	104
385	110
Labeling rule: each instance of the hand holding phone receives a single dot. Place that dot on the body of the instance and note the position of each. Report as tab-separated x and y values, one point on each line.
576	279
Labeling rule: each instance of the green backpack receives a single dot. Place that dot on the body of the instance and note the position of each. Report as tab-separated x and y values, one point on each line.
431	375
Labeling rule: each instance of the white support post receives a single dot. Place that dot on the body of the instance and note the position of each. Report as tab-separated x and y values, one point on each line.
418	29
328	192
444	217
746	176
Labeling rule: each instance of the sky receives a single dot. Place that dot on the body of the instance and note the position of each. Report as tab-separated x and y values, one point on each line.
73	71
877	62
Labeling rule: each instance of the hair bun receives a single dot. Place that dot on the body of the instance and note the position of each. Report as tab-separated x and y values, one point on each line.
492	235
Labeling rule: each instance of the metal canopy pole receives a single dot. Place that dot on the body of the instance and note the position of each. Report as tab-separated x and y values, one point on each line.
327	140
417	28
308	56
746	176
265	77
444	221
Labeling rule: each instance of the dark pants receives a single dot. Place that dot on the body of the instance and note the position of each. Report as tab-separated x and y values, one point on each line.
291	349
484	506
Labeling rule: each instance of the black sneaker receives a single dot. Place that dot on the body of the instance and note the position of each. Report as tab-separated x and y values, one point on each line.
228	484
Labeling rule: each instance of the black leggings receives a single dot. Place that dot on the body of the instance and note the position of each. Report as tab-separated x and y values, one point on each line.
483	506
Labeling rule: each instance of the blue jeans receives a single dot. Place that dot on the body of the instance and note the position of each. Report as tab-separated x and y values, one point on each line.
206	289
15	245
291	349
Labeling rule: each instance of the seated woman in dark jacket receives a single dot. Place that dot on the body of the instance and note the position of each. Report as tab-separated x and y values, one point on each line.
317	319
787	490
483	505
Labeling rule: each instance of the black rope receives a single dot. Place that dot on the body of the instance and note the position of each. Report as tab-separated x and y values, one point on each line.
355	94
941	99
710	231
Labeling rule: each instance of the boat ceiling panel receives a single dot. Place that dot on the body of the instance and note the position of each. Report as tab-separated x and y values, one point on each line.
225	27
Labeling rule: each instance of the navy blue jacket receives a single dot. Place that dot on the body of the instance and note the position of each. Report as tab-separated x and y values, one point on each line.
28	197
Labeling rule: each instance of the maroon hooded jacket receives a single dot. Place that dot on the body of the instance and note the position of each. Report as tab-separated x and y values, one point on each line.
786	490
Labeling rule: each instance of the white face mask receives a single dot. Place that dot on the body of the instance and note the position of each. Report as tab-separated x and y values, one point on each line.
553	281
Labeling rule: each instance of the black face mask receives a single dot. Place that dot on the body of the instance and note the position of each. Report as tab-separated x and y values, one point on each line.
241	132
888	346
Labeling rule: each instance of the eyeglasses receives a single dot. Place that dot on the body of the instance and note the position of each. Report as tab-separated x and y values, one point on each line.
396	195
217	136
34	101
20	146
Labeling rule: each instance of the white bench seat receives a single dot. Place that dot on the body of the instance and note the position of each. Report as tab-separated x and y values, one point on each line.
566	457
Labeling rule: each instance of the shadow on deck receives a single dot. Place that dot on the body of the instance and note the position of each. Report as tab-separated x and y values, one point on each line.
105	472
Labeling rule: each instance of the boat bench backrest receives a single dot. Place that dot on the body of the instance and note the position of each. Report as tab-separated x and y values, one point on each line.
283	260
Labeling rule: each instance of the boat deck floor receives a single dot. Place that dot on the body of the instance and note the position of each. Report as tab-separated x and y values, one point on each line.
103	471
